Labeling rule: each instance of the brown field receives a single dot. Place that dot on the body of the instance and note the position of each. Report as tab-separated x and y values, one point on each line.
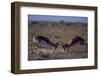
65	32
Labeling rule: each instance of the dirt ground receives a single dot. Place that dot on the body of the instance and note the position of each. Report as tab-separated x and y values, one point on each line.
57	32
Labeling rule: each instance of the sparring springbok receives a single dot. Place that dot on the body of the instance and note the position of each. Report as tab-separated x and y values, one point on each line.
76	39
45	41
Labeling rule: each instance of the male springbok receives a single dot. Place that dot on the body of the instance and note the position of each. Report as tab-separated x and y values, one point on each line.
45	41
76	39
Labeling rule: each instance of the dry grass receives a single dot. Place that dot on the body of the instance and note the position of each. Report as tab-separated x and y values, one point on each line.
64	34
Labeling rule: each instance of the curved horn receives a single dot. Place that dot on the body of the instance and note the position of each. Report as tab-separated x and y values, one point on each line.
70	41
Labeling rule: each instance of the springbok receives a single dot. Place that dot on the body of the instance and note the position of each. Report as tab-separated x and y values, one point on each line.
76	39
45	41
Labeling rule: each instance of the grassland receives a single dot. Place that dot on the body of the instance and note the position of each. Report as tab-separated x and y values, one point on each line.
57	32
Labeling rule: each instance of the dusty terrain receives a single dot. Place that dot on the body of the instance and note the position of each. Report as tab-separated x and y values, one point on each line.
57	32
